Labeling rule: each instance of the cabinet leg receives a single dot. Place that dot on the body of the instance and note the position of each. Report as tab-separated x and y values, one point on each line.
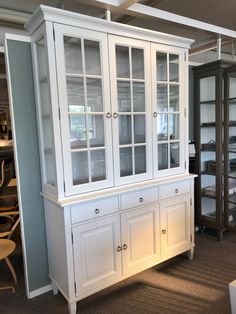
219	235
191	254
54	288
72	307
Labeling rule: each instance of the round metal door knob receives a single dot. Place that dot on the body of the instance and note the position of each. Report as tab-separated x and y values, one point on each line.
119	248
97	211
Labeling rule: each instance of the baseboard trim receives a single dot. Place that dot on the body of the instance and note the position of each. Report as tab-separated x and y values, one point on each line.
39	291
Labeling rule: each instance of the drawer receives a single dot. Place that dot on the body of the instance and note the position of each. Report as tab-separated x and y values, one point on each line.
94	209
138	198
174	189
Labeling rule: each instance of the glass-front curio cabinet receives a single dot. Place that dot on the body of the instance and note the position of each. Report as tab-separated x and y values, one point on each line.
214	129
112	111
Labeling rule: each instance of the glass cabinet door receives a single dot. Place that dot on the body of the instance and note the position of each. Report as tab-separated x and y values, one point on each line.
130	89
85	113
230	148
168	99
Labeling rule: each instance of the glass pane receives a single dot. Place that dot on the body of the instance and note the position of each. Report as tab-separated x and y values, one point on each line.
75	94
126	164
140	159
162	156
174	155
162	99
78	135
139	129
96	130
162	129
98	165
207	88
92	57
174	98
122	61
161	63
125	129
80	168
45	102
208	207
73	56
137	63
174	126
138	97
94	95
232	85
123	95
174	68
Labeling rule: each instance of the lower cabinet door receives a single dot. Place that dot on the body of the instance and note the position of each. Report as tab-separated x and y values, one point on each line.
175	226
140	238
97	253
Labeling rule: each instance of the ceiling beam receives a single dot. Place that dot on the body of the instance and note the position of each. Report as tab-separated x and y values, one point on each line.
144	10
124	4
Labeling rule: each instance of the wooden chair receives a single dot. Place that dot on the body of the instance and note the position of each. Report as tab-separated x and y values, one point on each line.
8	194
7	247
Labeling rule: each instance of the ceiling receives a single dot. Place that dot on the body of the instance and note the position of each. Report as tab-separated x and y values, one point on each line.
217	12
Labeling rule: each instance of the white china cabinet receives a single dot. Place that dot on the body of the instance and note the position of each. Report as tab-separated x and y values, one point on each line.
113	132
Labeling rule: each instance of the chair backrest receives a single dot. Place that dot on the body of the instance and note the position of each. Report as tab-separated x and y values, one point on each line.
14	218
6	173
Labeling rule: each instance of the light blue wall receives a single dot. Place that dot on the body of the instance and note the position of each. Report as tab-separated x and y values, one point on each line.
21	76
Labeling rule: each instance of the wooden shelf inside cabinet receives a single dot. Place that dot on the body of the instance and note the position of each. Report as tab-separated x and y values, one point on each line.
232	123
208	125
209	173
204	194
232	199
208	102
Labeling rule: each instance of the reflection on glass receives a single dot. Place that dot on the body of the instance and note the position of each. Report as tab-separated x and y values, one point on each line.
174	126
122	61
73	56
232	85
78	135
123	95
80	167
96	130
208	208
207	88
161	63
162	156
75	94
47	132
174	97
140	159
92	57
174	68
98	165
137	63
125	131
162	129
94	95
126	164
174	155
138	97
162	100
139	129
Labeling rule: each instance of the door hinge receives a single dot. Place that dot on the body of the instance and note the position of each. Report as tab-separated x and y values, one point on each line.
64	185
185	164
185	112
191	201
191	238
75	287
185	56
53	34
59	113
72	237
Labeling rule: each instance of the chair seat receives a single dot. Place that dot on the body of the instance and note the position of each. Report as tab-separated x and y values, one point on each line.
6	248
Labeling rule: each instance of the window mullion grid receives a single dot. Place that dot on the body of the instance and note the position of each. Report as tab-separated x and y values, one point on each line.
168	110
132	108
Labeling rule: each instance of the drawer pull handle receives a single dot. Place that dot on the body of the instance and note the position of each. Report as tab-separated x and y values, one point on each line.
163	231
125	246
119	248
176	190
141	199
97	211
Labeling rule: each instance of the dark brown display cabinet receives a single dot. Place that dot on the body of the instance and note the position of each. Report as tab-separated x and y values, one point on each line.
230	147
212	156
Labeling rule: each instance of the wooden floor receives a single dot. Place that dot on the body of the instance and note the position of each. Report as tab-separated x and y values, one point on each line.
177	286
